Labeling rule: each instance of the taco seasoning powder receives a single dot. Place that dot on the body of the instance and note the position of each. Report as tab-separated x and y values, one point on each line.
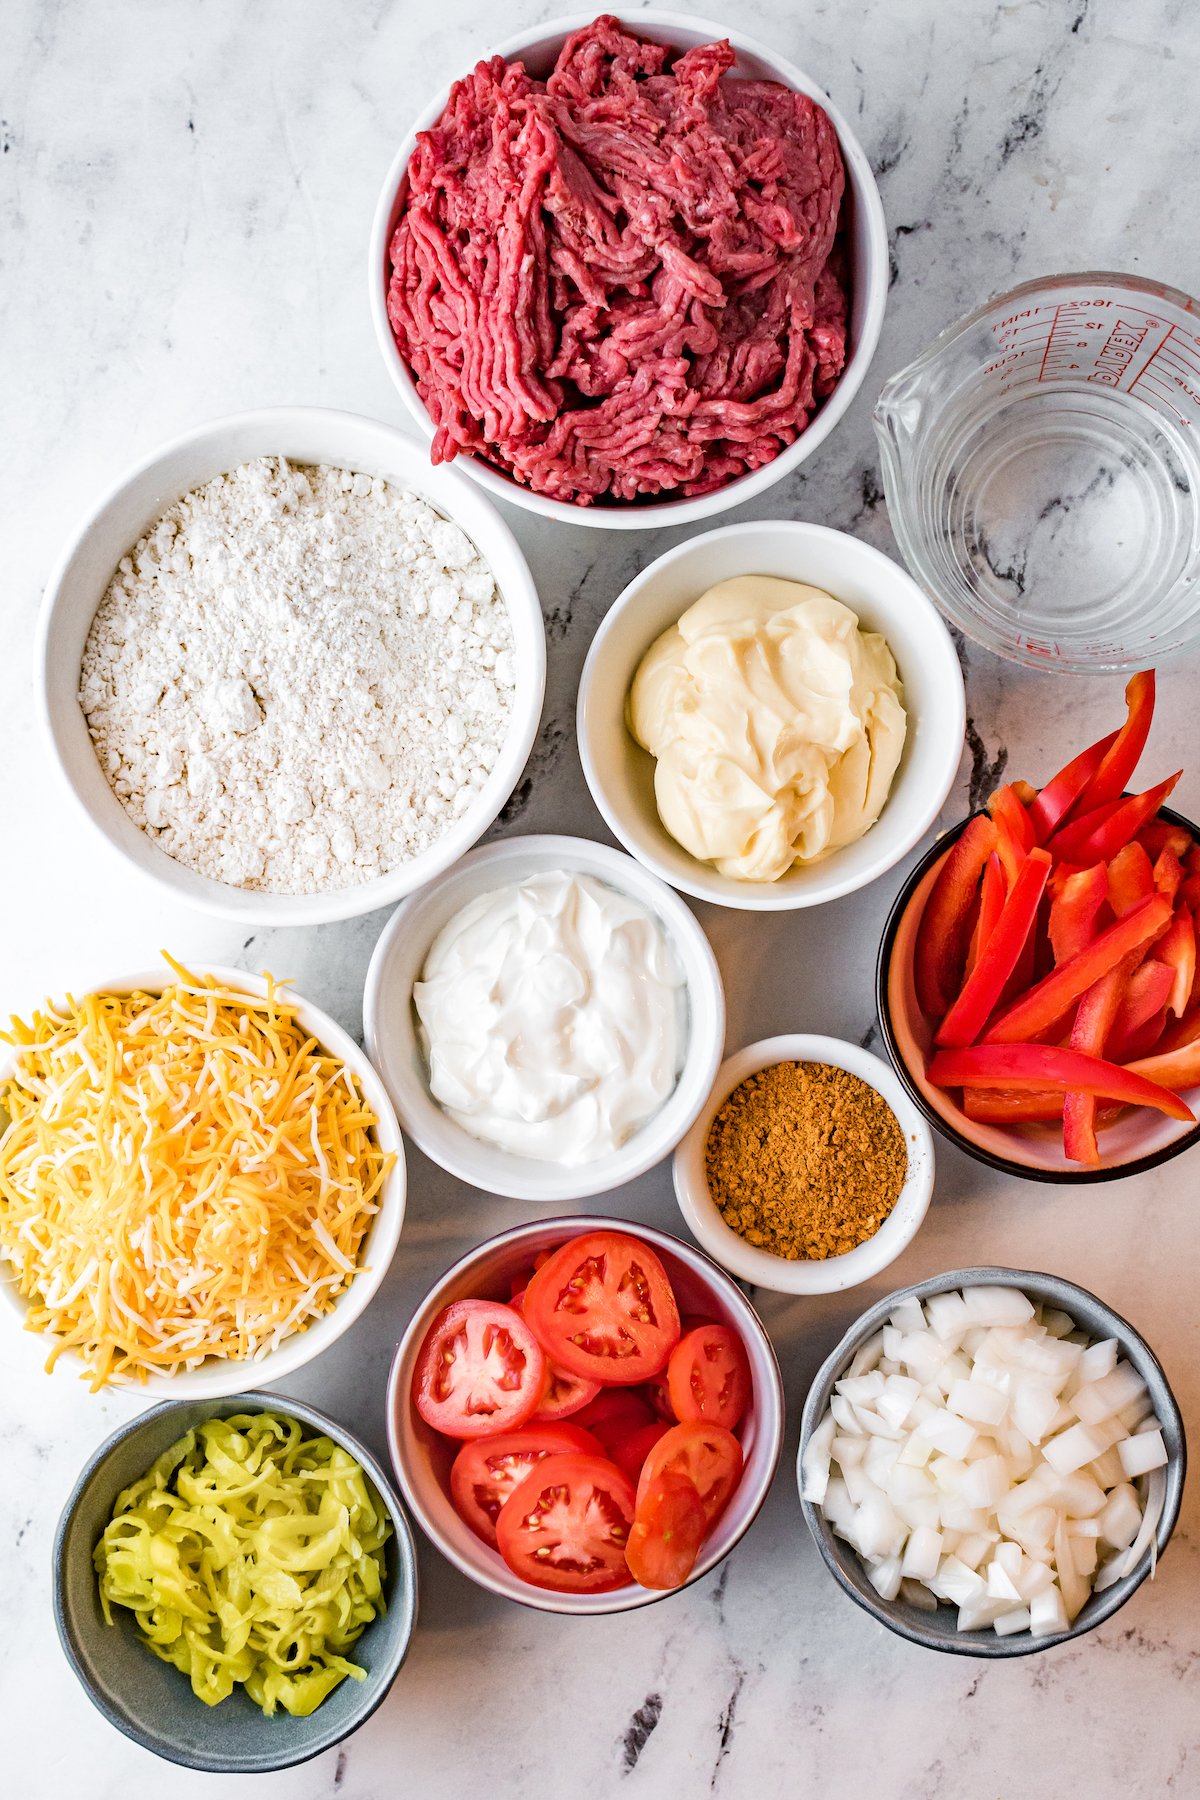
805	1160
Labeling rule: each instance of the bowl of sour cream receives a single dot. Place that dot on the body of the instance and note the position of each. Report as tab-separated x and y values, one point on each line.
547	1017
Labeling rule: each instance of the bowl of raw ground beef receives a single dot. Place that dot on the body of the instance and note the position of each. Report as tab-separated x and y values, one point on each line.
628	275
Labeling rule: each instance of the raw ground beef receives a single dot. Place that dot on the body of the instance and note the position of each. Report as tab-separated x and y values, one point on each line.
624	281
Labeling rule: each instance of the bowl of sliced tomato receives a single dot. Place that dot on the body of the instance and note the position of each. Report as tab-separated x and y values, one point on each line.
585	1415
1038	981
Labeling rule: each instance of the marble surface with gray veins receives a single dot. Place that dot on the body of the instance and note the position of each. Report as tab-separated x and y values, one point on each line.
185	195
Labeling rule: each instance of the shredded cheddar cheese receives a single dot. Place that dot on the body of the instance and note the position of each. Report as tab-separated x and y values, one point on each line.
182	1175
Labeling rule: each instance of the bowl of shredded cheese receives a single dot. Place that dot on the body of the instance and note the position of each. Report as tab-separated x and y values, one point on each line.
198	1170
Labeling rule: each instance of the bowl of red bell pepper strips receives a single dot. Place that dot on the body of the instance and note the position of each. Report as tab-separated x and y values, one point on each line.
1038	979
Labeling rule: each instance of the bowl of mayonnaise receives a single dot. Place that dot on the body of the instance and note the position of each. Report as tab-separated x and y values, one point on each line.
547	1017
771	715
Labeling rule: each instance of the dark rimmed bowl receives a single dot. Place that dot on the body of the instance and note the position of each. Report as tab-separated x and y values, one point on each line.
152	1702
937	1630
422	1458
1136	1141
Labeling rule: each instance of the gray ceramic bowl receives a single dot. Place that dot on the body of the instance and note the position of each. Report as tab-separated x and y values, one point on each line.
937	1631
153	1703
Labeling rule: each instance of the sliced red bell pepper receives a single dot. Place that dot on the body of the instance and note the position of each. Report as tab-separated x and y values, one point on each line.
1123	755
1168	871
1191	859
1160	835
1074	908
1088	821
1090	1032
942	937
1130	879
1184	1031
1177	949
1025	972
1141	1041
1145	995
1059	795
1174	1069
1050	1066
1015	1106
992	892
1096	836
998	957
1038	1010
1189	893
1012	817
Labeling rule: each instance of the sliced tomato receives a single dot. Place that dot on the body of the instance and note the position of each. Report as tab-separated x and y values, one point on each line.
602	1306
480	1370
708	1376
567	1524
659	1400
709	1456
629	1453
565	1393
487	1470
614	1415
669	1527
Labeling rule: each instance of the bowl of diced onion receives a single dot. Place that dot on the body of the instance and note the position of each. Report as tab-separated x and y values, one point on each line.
991	1462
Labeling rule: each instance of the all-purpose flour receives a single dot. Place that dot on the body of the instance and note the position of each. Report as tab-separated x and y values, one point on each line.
299	678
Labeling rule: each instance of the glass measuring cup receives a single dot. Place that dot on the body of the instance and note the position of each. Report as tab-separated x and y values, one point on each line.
1041	462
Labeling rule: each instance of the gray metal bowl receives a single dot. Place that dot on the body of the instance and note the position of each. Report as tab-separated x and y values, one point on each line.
937	1631
153	1703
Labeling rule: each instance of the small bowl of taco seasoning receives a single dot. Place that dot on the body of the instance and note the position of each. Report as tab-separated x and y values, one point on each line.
809	1169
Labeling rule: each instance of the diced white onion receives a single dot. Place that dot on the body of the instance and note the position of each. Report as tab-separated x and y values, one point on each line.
984	1454
1008	1622
1142	1453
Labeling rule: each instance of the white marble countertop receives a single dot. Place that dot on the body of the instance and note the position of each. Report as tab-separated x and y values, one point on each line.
185	193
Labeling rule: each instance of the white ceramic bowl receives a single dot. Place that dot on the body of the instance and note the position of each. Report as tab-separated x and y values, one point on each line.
835	1273
422	1459
391	1027
218	1377
620	773
306	435
538	47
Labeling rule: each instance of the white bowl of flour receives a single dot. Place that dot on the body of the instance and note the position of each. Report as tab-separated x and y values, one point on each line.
290	670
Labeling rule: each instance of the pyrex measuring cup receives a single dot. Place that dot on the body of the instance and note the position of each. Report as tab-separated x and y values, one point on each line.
1042	467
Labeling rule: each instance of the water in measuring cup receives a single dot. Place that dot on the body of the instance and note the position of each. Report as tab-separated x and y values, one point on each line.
1048	487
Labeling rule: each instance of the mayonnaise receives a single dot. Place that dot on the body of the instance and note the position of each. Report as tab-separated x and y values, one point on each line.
552	1015
776	722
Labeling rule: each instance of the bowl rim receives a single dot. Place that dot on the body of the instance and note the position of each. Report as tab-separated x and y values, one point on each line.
559	1184
406	1577
759	1267
1138	1165
772	1421
628	516
207	1382
1061	1292
520	598
762	896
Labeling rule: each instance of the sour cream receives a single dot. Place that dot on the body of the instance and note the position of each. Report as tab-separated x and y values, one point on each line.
777	724
553	1018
